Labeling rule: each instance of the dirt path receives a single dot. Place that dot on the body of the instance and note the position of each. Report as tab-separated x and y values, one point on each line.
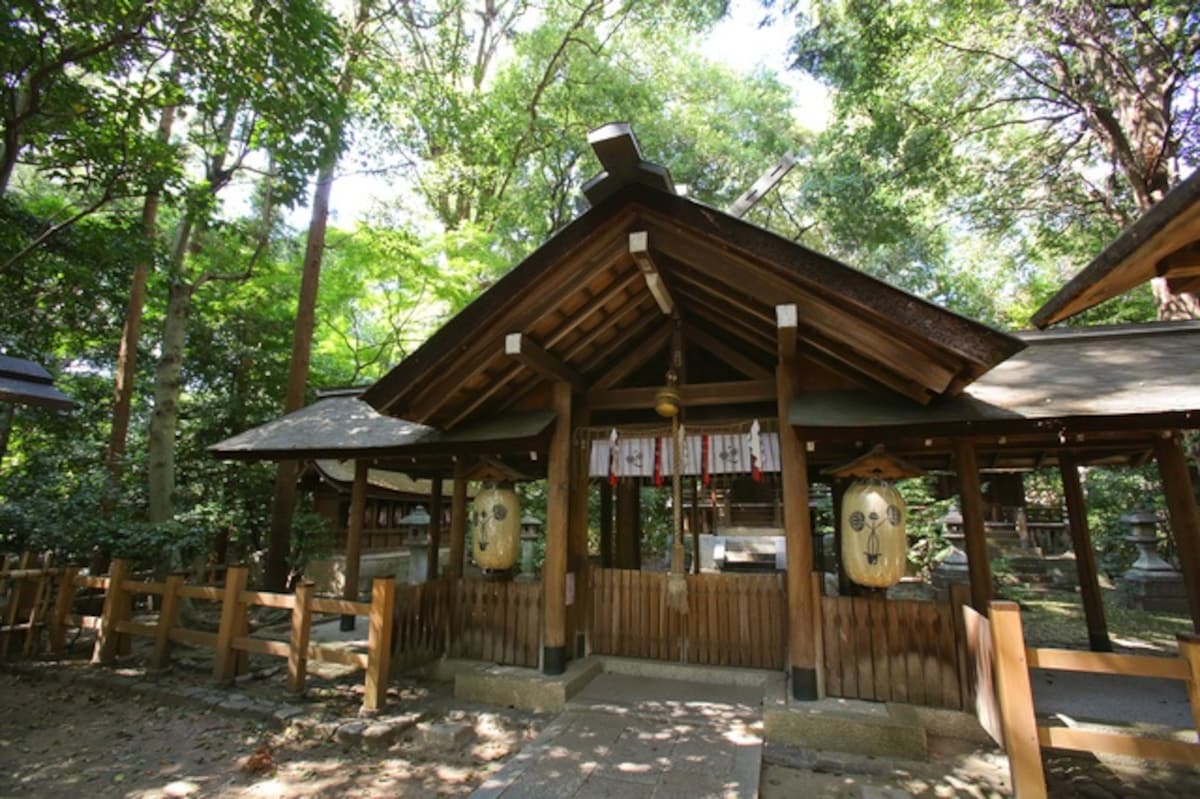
62	740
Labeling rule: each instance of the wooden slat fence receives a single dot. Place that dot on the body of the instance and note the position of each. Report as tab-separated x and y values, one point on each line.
894	650
422	613
494	621
732	619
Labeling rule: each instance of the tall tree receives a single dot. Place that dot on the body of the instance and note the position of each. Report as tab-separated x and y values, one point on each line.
1048	126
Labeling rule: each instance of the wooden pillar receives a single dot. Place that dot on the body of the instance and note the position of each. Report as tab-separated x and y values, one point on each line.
577	535
435	529
802	650
606	525
358	504
970	498
1185	519
628	548
458	521
558	510
1085	556
837	489
694	518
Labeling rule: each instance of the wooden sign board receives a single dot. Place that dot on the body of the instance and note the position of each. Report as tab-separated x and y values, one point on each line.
979	671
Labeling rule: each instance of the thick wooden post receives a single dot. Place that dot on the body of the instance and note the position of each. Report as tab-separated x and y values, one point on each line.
971	499
379	642
62	611
358	507
458	521
628	550
435	530
577	536
301	630
1185	520
1085	556
802	649
116	609
233	624
167	615
558	501
1015	696
606	525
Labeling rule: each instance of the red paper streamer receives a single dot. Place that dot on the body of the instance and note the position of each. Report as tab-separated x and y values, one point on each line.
705	477
658	475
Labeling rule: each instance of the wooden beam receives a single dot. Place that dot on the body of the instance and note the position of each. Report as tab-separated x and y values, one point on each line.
458	521
694	395
577	533
521	348
1184	262
802	623
1185	519
715	346
639	248
1085	555
642	351
764	184
787	323
558	502
971	502
358	506
628	544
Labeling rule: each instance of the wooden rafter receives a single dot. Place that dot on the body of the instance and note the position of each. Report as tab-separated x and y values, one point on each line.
726	353
695	395
634	358
528	352
787	324
639	248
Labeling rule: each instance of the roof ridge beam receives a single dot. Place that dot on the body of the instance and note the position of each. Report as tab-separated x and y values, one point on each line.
639	248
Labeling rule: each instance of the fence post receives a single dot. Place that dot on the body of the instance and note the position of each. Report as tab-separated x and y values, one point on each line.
233	624
301	629
960	596
1189	650
41	597
817	586
62	610
116	609
167	614
1017	718
379	641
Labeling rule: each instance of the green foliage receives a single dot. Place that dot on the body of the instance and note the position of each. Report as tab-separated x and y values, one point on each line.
924	526
312	539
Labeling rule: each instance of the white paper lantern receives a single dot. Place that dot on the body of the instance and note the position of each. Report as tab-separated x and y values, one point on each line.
874	546
497	521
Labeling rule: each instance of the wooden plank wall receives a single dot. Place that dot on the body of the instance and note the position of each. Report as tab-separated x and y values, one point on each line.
893	650
500	622
421	613
732	619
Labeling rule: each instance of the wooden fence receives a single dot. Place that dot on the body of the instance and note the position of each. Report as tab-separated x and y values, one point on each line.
891	650
1024	738
500	622
732	619
114	626
421	616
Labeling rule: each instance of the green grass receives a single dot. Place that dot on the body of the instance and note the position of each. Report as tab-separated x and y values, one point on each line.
1056	619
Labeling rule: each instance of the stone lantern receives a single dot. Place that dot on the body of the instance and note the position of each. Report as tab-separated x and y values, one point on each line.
1151	583
531	531
953	566
415	529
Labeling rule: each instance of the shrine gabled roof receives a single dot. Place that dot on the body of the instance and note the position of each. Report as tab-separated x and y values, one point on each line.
586	301
1164	242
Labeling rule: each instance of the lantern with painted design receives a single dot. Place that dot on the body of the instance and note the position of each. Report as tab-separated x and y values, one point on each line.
496	519
874	547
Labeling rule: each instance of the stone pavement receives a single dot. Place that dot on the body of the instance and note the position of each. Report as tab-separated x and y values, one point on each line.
634	737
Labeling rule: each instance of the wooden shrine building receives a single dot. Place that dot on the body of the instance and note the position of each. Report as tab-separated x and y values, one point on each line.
573	344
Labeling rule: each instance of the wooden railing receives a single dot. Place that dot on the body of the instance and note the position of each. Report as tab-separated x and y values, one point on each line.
115	625
1023	737
732	619
894	650
496	621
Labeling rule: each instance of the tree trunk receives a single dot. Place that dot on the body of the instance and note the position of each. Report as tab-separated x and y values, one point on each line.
284	502
8	413
167	382
131	334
